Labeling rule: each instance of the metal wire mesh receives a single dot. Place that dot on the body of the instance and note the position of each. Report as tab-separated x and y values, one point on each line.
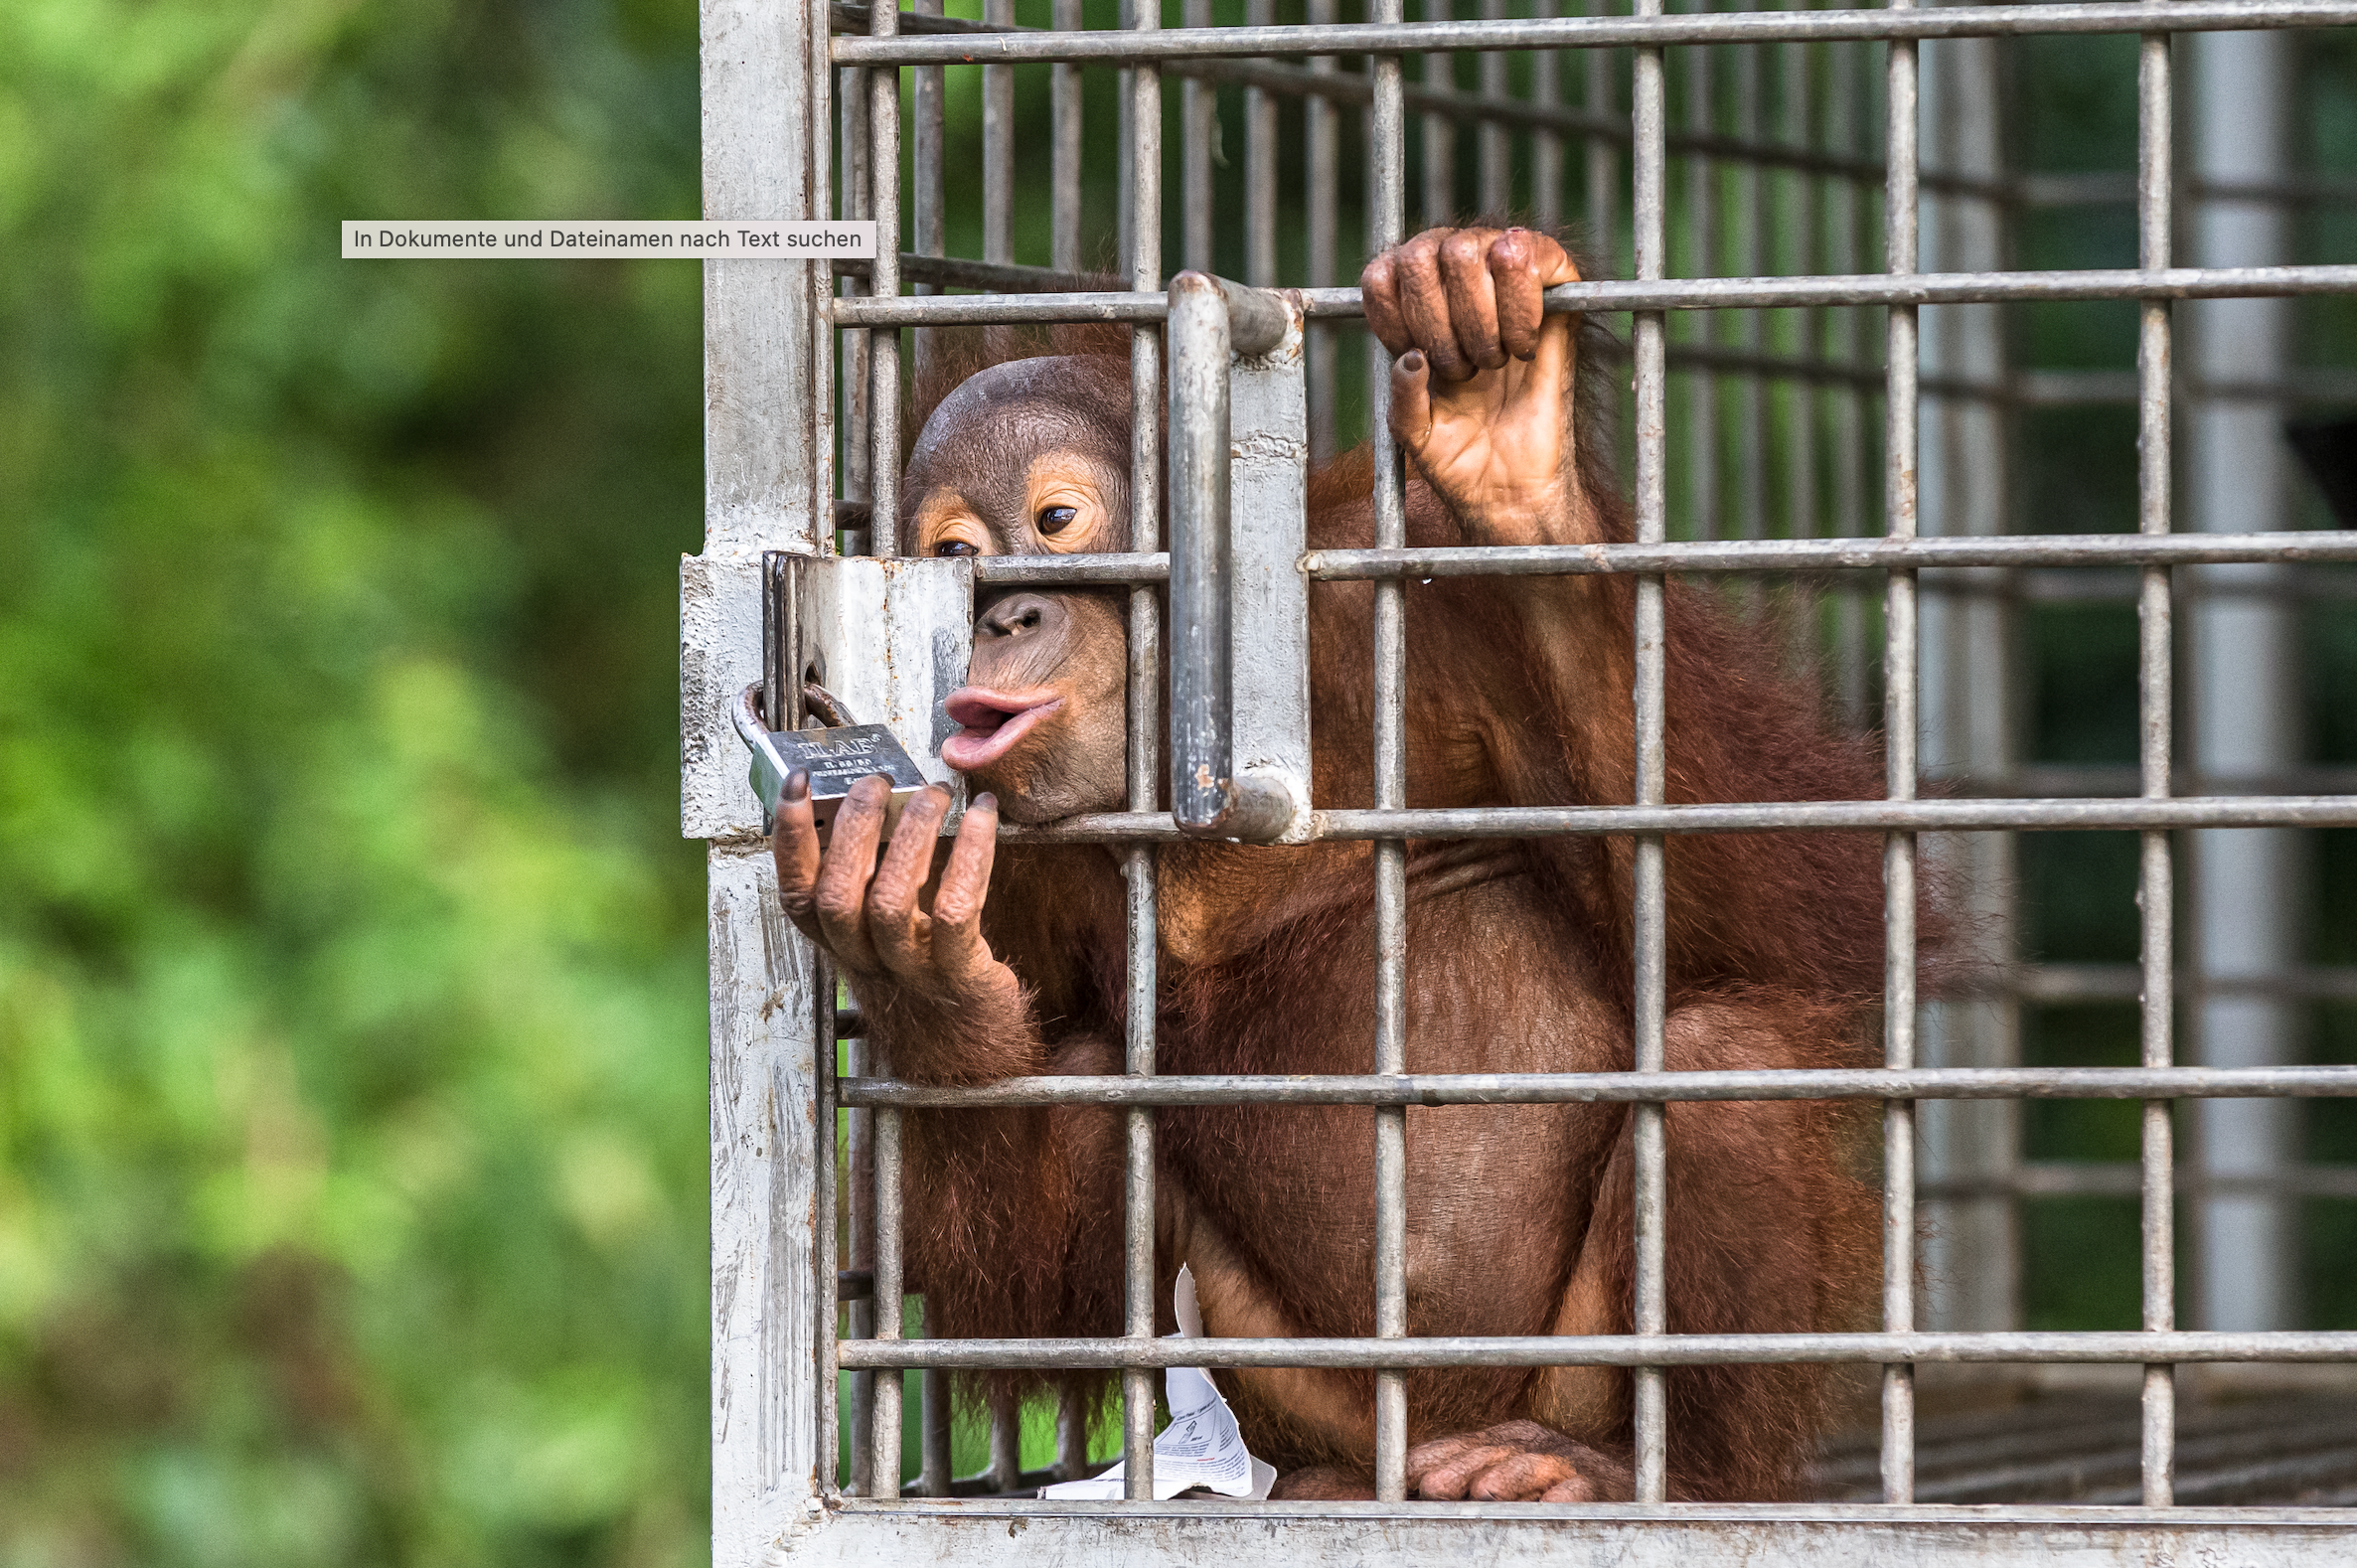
1780	214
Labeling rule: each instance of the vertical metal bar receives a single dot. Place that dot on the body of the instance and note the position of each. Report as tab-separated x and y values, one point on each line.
1198	111
828	1209
1201	760
1603	166
2243	718
884	1433
1006	1460
1071	1436
858	202
1496	143
884	477
819	282
933	1413
1125	204
1546	147
884	356
862	1237
2155	879
1260	168
1899	739
1751	409
1800	222
1386	220
1702	248
826	1372
1650	913
1971	1263
1440	132
997	146
1064	137
1145	675
1322	134
927	198
1842	127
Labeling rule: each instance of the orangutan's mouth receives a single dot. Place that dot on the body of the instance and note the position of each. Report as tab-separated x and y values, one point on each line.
991	723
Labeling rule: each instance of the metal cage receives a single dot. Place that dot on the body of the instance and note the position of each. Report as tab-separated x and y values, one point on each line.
1819	223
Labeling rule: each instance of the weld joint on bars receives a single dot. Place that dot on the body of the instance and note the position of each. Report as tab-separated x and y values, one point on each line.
1674	1350
1620	1088
1708	293
1739	27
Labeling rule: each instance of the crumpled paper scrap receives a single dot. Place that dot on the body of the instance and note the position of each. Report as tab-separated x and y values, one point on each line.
1201	1446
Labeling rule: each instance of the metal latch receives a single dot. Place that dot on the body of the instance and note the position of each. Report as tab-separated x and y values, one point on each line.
852	638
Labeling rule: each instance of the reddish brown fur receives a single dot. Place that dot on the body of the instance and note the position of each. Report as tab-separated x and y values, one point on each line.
1774	960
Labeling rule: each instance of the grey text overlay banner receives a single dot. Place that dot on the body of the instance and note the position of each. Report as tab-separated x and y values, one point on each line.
513	239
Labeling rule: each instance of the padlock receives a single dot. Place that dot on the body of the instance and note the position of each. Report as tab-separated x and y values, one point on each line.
835	757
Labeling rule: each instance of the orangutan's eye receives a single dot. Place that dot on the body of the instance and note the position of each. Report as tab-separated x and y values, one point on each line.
955	547
1054	519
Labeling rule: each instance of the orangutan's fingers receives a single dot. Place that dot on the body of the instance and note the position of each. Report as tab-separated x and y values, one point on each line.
1446	1481
1577	1489
1524	1477
1473	297
794	846
1523	265
1411	400
896	922
1424	303
1379	295
842	878
958	948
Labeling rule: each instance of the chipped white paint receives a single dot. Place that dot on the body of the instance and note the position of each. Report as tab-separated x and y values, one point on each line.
764	1107
719	656
759	475
1268	512
764	469
991	1534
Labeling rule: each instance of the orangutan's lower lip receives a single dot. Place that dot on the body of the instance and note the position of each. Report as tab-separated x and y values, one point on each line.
980	745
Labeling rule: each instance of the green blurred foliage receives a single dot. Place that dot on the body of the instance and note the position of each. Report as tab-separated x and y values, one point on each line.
351	1027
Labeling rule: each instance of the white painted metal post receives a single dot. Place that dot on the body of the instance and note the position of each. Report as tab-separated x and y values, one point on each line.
2243	720
763	472
1970	1269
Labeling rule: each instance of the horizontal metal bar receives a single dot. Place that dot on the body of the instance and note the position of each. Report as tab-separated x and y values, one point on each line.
2125	1178
1001	277
1604	32
992	310
2079	389
2064	984
2108	189
1708	293
2054	585
1674	1350
1908	816
1030	570
1876	554
1869	554
1355	87
1622	1088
